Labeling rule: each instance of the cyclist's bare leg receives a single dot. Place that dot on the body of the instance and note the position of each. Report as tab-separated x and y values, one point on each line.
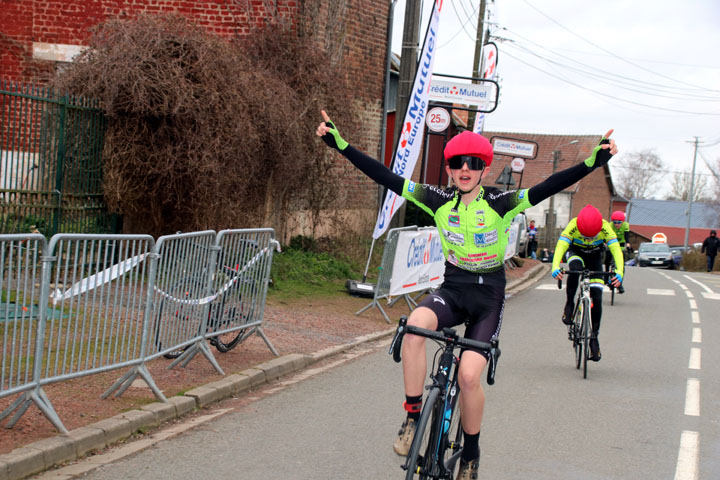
472	395
413	351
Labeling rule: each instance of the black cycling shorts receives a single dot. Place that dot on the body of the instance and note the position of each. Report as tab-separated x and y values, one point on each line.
481	305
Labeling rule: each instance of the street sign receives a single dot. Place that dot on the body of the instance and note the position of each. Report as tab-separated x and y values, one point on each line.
517	165
659	238
514	147
505	177
438	119
483	95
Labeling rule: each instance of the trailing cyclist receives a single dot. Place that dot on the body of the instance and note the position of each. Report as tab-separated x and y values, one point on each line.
584	239
621	229
473	222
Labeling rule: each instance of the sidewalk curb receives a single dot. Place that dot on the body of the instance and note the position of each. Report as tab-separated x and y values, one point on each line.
39	456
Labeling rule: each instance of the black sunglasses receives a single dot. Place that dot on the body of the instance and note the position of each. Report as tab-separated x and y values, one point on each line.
617	221
473	163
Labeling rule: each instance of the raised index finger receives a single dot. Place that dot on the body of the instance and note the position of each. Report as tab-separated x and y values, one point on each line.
609	132
326	119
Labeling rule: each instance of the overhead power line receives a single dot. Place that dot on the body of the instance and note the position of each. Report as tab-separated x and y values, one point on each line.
612	53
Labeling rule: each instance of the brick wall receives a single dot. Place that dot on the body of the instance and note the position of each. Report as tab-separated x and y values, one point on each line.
352	31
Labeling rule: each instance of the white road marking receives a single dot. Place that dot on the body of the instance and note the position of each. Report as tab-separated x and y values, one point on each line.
682	285
711	296
687	463
705	287
660	291
697	335
689	294
693	304
695	316
692	397
694	362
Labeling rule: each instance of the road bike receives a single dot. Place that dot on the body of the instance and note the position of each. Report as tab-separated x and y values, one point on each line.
437	444
580	331
232	305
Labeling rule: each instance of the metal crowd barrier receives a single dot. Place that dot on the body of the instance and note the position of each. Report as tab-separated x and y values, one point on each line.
382	289
86	304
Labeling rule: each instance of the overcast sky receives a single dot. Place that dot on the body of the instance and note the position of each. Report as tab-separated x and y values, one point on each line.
650	69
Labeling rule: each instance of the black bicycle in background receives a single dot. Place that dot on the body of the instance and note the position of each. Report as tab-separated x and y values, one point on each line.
437	444
580	331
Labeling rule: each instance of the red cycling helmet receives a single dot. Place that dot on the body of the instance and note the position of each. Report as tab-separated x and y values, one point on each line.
589	221
471	144
618	216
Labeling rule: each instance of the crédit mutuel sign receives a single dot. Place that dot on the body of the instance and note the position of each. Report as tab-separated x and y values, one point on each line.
476	94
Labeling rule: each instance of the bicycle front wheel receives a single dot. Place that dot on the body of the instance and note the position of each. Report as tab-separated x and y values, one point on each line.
419	460
577	333
586	334
452	436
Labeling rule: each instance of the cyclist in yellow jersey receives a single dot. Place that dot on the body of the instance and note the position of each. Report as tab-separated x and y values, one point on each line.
621	229
584	239
473	221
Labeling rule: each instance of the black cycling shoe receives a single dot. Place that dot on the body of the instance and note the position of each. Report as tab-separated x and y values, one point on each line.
595	354
567	314
621	289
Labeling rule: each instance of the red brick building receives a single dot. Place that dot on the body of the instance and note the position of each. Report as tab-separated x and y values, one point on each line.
38	36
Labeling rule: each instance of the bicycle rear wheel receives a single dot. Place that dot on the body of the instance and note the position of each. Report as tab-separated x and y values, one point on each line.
230	312
419	459
586	334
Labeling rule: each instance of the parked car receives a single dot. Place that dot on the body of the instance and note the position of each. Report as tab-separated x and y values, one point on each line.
522	222
677	254
654	255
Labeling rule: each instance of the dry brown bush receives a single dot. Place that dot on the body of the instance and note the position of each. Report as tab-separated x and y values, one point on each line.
209	133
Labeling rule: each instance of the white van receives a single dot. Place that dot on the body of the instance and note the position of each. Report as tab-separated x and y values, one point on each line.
521	220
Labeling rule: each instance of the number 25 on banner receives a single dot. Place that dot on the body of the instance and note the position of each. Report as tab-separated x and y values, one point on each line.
438	119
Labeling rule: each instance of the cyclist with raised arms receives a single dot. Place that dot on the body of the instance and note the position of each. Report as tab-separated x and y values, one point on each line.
584	239
473	222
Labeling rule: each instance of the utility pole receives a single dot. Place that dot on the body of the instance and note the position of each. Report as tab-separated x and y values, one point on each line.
690	196
479	42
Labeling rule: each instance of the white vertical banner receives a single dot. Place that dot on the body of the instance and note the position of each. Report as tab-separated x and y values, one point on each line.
413	126
419	262
489	67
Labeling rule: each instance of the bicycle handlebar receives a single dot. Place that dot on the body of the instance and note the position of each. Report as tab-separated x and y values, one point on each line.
585	273
449	337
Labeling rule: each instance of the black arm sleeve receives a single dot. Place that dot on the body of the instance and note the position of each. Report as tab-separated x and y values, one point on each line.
557	182
374	169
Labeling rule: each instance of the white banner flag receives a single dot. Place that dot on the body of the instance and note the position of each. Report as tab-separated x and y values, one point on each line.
419	262
413	126
489	66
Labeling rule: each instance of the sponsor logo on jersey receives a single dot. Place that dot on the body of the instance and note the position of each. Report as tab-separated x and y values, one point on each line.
411	187
454	220
480	218
454	238
522	194
487	238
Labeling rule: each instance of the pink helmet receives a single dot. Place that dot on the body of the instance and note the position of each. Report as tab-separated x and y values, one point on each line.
589	221
470	144
618	215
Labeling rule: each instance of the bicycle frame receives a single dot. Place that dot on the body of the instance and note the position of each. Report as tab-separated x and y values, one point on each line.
442	399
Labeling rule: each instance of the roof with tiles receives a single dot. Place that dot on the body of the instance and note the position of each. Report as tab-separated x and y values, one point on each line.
541	167
672	213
